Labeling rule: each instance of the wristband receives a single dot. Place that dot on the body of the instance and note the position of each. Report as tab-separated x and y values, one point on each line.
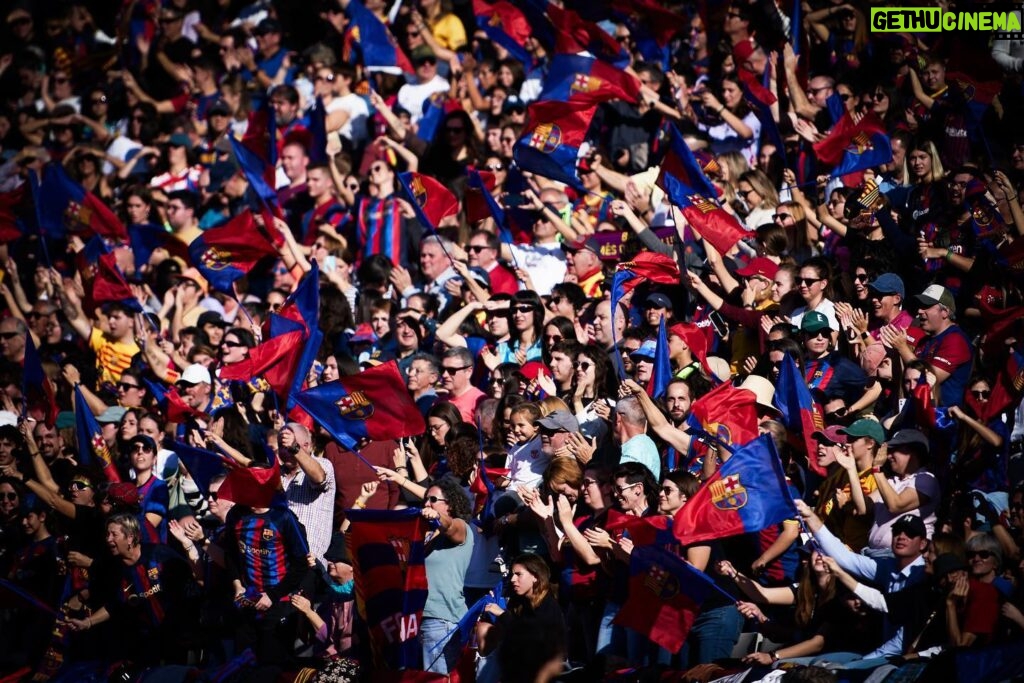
949	254
359	506
865	336
876	470
720	110
401	467
775	655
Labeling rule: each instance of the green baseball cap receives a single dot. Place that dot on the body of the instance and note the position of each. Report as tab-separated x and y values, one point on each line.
865	427
814	321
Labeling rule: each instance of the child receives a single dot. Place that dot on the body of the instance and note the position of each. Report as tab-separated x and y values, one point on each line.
526	462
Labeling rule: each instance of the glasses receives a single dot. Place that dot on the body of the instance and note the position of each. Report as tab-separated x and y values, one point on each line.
591	482
583	365
412	34
523	309
807	281
553	338
734	15
435	499
124	386
353	187
79	485
813	91
622	39
436	428
477	248
329	78
99	100
879	96
845	96
455	129
141	448
982	394
622	489
861	277
982	554
231	344
782	217
430	61
495	167
747	193
669	490
170	20
9	335
629	350
11	495
213	496
451	371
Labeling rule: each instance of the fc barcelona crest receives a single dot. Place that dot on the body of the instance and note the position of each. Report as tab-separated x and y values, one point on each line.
720	431
494	20
702	203
153	573
860	143
268	534
214	259
402	550
728	493
547	138
355	406
661	582
585	83
76	215
419	192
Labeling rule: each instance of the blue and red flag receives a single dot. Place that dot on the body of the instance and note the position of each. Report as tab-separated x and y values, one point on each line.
146	238
683	165
275	360
663	24
715	224
662	374
727	413
748	493
203	465
109	285
318	132
646	266
170	402
65	206
36	387
90	439
303	306
506	25
435	108
653	530
574	34
257	171
479	203
587	79
854	146
800	412
373	404
431	200
665	596
369	41
552	138
386	547
228	252
12	208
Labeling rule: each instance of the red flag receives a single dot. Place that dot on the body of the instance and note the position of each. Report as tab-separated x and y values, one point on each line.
228	252
475	204
253	487
478	487
662	23
727	413
844	134
716	225
274	360
574	34
11	204
653	267
432	197
109	284
641	530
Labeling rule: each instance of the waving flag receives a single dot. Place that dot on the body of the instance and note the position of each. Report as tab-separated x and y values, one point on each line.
683	165
387	553
90	439
12	207
662	374
435	108
203	465
65	206
574	34
431	200
257	171
146	238
748	493
369	41
727	413
662	23
854	146
654	530
255	487
275	360
109	285
506	25
228	252
171	403
318	132
801	414
552	138
479	202
586	79
373	404
36	387
646	266
715	224
665	596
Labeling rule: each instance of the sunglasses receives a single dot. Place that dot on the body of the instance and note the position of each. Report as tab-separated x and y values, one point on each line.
861	277
141	448
495	167
553	338
413	34
329	78
9	335
454	129
523	309
808	281
590	482
823	334
476	248
983	554
747	193
99	100
378	168
9	496
583	365
434	499
845	96
669	490
231	344
125	386
782	217
983	394
451	371
213	496
879	96
79	485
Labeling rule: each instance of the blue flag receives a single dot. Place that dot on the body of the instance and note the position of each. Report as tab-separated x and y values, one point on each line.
202	464
90	439
305	301
146	238
680	162
253	168
662	364
368	40
318	131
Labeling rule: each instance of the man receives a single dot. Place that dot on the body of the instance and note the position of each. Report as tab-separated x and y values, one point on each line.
290	124
593	203
411	96
12	342
326	207
483	253
631	432
942	111
196	388
456	373
843	505
263	67
946	349
435	266
912	488
583	258
181	216
888	574
293	195
543	259
421	380
814	102
308	482
886	294
643	362
49	440
555	429
678	399
603	328
656	307
114	348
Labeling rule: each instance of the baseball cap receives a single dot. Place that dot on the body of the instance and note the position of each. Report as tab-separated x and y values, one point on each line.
865	427
267	26
211	318
111	414
422	54
936	294
195	374
590	244
833	434
761	266
657	300
814	321
647	351
219	107
911	525
888	283
908	437
179	140
560	421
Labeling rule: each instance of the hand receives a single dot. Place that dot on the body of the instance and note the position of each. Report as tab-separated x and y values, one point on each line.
845	460
804	509
264	603
960	588
1011	612
725	568
789	58
842	498
751	611
564	510
709	100
626	545
492	608
400	278
367	490
749	364
77	559
582	449
398	457
543	509
598	538
71	374
762	658
620	208
832	565
489	358
384	474
894	338
430	514
954	411
603	410
546	383
301	603
178	531
758	565
194	530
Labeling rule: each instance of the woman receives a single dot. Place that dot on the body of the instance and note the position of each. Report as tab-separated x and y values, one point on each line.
505	380
11	495
732	165
982	452
449	548
441	419
555	330
592	377
729	122
455	147
772	242
180	170
927	205
800	234
153	491
677	487
531	607
524	343
815	286
841	33
758	197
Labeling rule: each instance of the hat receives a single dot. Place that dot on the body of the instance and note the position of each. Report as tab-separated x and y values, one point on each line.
762	389
481	276
196	277
18	13
422	54
833	435
337	551
936	294
695	340
111	414
195	374
865	427
589	243
871	356
888	283
657	300
267	26
364	333
947	563
147	442
583	165
647	351
123	494
909	437
911	525
220	173
179	140
211	318
814	321
220	107
65	419
720	368
532	368
742	50
560	421
761	266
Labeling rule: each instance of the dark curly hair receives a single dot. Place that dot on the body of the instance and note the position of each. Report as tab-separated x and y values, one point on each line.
458	503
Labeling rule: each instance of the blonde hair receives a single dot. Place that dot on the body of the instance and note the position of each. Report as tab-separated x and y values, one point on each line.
928	147
551	404
763	186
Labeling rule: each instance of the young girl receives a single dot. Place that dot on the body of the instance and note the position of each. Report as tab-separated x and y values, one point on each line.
526	462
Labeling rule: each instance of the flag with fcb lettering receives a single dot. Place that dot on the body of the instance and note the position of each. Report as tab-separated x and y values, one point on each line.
801	414
716	225
587	79
431	200
275	360
369	41
664	597
552	138
228	252
386	547
373	404
748	493
574	34
506	25
90	439
66	207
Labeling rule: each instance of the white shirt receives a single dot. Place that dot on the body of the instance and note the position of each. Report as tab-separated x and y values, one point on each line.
826	308
926	484
545	264
411	96
526	464
358	113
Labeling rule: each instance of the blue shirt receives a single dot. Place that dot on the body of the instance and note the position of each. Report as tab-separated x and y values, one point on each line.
641	449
